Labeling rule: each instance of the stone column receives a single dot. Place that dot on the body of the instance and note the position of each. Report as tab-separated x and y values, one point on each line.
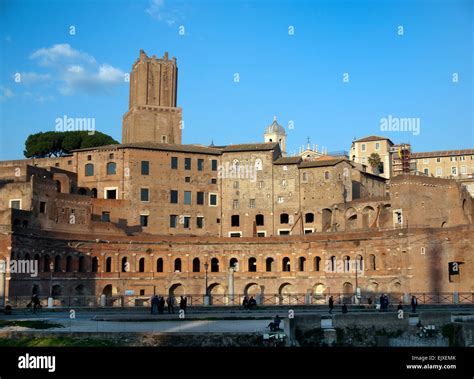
230	284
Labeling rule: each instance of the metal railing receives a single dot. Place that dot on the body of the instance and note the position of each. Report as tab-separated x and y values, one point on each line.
237	300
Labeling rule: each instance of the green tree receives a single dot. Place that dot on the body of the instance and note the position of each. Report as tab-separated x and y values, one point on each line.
56	144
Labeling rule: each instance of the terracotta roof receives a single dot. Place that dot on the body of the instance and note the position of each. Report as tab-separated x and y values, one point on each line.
159	146
372	138
250	147
321	163
442	153
287	160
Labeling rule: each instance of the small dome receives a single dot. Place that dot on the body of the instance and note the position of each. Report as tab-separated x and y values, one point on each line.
275	128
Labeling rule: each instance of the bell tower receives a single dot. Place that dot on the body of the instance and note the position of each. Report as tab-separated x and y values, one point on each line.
152	114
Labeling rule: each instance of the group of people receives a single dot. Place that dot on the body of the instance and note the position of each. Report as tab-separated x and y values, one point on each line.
249	304
158	304
384	303
34	304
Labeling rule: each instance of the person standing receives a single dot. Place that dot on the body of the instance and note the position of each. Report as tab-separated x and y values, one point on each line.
161	305
382	303
414	303
331	304
245	303
170	302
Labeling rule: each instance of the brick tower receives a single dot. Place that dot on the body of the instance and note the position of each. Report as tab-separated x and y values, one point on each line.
152	114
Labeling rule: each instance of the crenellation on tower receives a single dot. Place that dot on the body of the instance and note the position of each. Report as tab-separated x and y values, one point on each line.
153	89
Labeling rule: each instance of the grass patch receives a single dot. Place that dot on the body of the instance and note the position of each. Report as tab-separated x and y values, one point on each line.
60	342
32	324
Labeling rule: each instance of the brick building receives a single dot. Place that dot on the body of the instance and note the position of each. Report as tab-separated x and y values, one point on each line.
152	215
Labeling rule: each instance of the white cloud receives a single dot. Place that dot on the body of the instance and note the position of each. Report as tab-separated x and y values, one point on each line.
157	10
73	70
5	93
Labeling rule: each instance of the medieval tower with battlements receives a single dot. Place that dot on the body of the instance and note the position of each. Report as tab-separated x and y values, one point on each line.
152	115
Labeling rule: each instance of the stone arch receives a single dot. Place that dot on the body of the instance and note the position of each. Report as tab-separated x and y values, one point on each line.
301	264
368	215
234	262
326	220
109	290
95	264
79	290
351	218
252	264
252	289
372	263
196	265
286	264
108	264
347	291
217	289
177	265
347	263
141	264
176	290
56	290
317	263
319	288
81	264
285	289
68	263
269	264
57	263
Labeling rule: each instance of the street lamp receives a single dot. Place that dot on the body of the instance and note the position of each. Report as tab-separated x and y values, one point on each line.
206	267
51	267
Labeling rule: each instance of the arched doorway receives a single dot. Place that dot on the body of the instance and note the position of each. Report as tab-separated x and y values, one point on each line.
217	294
177	290
252	289
347	292
284	293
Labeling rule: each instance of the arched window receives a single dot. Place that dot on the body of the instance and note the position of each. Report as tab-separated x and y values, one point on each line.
347	264
82	265
89	169
301	263
57	263
125	266
286	264
95	264
309	218
46	263
159	265
332	264
284	218
177	265
69	264
94	193
317	264
259	220
141	265
196	265
305	176
327	175
111	168
214	265
372	262
269	264
108	264
360	263
234	263
252	264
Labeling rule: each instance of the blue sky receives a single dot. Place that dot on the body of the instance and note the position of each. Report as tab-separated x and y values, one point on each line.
298	78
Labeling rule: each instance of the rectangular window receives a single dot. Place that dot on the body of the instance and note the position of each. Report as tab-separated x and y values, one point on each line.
462	158
15	204
187	197
284	232
144	194
235	234
187	179
42	206
144	220
174	197
283	183
173	219
235	204
261	184
426	171
110	193
454	170
145	168
213	199
236	185
453	159
187	221
251	203
200	222
438	160
439	171
362	147
200	198
200	164
377	145
187	163
213	181
261	234
398	217
174	163
280	199
425	160
106	216
214	165
463	169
